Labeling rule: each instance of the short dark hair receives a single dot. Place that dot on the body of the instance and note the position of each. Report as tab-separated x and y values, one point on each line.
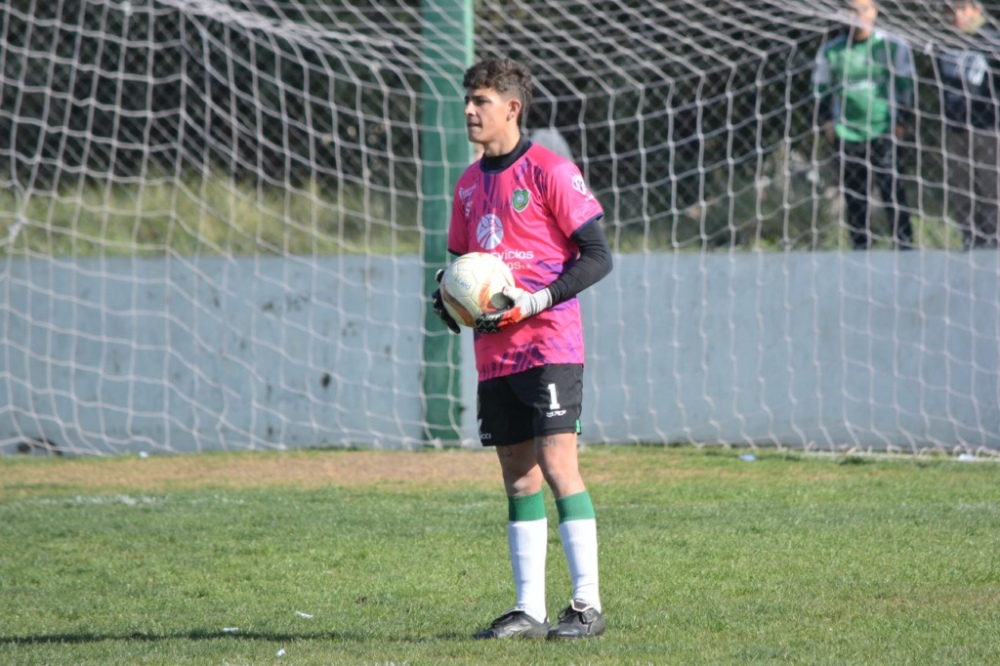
506	76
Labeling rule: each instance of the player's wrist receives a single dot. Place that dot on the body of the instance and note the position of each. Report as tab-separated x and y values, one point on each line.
542	300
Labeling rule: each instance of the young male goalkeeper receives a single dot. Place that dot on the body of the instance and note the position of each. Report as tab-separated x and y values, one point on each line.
532	208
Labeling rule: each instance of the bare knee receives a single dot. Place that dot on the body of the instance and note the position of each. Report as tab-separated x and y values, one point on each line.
557	459
521	472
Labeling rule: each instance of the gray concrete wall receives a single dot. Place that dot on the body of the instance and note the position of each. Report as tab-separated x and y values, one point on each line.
821	350
818	350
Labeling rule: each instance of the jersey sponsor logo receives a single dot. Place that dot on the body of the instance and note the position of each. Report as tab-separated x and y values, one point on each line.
507	255
489	231
520	199
465	194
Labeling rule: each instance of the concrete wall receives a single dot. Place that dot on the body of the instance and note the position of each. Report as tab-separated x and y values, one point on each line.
818	350
825	350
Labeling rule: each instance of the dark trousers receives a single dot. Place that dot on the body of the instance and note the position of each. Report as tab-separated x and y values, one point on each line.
974	184
875	162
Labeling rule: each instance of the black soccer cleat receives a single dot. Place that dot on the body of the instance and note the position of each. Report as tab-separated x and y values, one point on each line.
578	620
515	623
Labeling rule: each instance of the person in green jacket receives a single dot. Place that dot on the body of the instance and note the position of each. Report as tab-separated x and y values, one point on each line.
863	82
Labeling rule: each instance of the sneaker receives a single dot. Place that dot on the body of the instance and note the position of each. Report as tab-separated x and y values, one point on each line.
579	620
515	622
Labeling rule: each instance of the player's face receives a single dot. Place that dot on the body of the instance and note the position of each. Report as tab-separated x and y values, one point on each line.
863	17
961	14
490	120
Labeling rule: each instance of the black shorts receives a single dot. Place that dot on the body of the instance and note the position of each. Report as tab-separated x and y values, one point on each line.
546	400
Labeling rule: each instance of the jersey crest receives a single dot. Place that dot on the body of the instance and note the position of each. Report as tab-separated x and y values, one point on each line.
520	199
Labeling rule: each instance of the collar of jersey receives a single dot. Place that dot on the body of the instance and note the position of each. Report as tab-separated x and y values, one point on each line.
501	162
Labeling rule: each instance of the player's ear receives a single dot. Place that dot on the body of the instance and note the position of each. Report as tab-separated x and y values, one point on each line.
513	108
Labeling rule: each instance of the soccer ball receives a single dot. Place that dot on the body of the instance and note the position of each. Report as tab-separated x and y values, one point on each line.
471	286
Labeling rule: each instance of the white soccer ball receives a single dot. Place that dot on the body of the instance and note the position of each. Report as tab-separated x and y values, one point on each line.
472	284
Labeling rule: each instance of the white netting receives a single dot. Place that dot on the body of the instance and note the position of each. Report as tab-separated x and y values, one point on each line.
211	227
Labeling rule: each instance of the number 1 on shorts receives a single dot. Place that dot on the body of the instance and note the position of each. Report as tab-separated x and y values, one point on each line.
553	397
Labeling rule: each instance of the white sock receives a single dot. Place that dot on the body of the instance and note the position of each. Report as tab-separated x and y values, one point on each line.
579	540
528	541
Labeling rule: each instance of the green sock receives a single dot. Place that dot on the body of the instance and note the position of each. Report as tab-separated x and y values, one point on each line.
575	507
526	507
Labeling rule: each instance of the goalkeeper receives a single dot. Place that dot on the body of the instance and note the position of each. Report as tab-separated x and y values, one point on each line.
531	207
863	81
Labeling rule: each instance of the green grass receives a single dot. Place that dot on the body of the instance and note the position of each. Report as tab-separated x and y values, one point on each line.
706	559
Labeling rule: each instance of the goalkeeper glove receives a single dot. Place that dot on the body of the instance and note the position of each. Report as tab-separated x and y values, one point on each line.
438	306
524	304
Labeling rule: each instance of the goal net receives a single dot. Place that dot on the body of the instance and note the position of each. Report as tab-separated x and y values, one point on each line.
215	219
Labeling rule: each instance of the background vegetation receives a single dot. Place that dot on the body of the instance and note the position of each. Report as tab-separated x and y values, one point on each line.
694	123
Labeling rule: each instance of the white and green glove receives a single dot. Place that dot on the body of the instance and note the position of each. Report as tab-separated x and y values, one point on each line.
524	304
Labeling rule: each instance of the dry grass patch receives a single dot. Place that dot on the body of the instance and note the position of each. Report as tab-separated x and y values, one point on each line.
296	469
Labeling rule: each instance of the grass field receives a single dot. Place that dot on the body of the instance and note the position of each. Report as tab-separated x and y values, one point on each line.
349	557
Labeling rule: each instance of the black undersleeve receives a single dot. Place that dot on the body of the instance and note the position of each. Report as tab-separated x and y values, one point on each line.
593	264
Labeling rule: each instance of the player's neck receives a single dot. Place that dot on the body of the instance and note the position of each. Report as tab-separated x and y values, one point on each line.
503	146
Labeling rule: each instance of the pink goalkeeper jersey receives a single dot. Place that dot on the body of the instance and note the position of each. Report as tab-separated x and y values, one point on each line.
525	215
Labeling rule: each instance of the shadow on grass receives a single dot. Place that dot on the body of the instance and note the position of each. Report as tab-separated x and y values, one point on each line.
203	635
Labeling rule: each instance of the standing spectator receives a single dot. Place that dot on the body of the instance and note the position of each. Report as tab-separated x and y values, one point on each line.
863	81
970	79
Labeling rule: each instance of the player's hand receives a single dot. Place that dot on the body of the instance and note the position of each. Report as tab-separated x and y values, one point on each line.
829	131
438	306
523	305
